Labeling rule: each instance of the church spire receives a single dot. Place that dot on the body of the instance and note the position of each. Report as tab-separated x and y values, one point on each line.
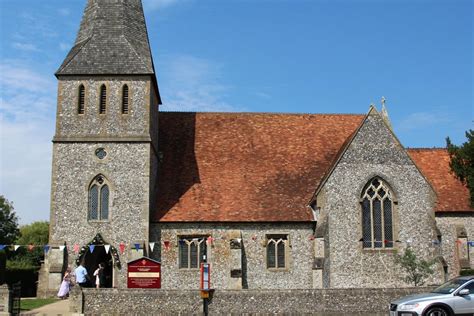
112	40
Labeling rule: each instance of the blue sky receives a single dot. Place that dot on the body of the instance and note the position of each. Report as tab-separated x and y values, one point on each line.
300	56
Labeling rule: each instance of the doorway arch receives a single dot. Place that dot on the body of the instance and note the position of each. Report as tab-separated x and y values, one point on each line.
94	253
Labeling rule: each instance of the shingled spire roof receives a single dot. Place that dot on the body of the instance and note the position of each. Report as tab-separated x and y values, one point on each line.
112	40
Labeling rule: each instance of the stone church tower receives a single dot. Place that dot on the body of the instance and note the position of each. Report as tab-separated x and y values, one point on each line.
104	149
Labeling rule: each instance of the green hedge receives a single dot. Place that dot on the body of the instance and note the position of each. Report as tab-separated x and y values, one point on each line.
28	278
467	272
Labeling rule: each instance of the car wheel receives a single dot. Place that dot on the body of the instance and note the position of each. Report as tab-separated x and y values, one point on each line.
437	311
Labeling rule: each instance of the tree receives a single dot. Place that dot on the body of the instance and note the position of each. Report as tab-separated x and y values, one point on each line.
416	270
462	161
8	222
35	234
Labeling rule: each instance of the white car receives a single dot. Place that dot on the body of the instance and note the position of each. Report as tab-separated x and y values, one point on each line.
454	298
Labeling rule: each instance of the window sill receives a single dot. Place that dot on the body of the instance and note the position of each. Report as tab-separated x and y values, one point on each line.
98	221
378	250
278	269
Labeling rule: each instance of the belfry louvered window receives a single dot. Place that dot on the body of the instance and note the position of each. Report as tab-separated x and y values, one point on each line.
377	215
277	251
192	251
103	99
81	99
125	100
99	195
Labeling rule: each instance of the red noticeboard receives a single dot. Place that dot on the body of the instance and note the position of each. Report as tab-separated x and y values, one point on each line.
144	273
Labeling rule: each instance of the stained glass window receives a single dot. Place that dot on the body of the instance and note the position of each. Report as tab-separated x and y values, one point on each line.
192	251
99	196
277	251
377	217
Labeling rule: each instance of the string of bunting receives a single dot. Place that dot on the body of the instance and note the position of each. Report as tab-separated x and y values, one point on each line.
167	245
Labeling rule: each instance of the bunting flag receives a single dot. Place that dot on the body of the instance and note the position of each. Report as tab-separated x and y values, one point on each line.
16	247
311	237
107	248
152	245
181	242
122	248
470	243
91	248
254	238
137	246
2	247
76	248
209	240
166	244
46	248
30	247
61	248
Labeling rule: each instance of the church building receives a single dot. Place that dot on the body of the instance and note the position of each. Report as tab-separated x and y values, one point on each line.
270	201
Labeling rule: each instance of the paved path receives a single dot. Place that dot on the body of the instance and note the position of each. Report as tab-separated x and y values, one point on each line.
61	307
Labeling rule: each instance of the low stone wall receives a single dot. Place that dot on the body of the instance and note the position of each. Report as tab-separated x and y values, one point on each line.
4	300
235	302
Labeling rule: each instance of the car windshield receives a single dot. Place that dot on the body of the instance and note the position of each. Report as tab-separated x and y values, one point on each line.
449	287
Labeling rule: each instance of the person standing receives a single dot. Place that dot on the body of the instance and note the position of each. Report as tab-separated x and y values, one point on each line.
65	284
99	276
81	275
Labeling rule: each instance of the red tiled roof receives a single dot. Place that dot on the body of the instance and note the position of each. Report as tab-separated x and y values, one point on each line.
245	167
434	163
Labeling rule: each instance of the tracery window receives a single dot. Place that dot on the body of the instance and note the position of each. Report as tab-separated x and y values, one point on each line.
125	99
377	215
277	246
103	99
192	251
99	194
81	99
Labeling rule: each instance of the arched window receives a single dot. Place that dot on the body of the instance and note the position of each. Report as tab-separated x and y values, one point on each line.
99	199
81	98
125	99
103	99
377	215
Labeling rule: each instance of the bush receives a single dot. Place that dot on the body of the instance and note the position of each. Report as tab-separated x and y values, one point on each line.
467	272
27	275
416	269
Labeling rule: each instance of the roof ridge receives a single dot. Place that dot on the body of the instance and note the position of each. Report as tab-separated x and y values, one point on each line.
134	50
69	60
266	113
426	148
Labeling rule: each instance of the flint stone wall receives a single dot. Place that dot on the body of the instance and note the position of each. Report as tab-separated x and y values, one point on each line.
235	302
113	123
255	275
374	152
447	223
127	170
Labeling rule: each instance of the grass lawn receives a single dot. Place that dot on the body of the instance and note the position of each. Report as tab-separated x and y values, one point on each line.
29	304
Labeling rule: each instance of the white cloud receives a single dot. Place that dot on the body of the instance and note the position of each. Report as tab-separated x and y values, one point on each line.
64	11
27	111
25	47
193	84
423	120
